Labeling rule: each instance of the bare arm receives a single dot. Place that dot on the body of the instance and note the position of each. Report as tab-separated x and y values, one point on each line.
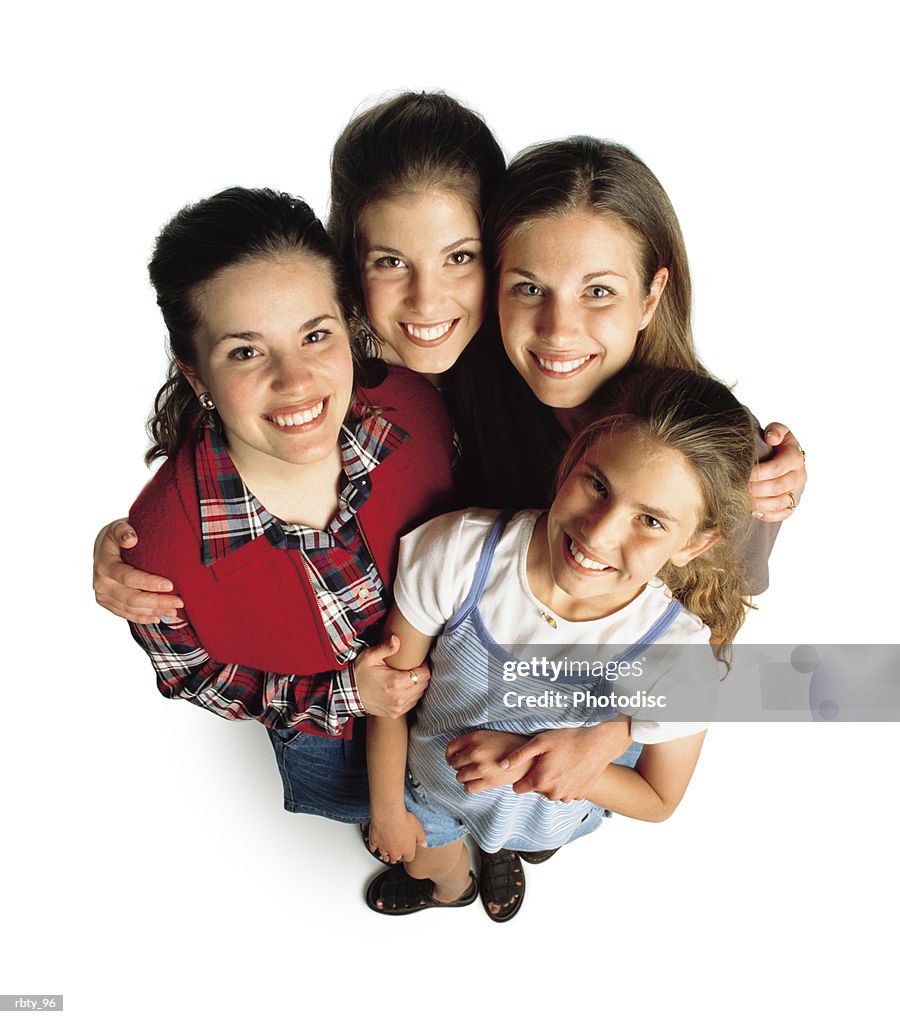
654	787
393	830
560	763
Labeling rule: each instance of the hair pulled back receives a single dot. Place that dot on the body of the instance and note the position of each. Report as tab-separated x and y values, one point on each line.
414	142
233	227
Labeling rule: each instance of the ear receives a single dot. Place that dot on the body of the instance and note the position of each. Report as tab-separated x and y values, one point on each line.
192	377
695	547
654	294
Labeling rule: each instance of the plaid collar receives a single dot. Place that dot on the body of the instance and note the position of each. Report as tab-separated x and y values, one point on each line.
230	516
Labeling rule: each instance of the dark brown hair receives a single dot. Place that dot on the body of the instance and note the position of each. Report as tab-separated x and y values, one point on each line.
236	226
414	142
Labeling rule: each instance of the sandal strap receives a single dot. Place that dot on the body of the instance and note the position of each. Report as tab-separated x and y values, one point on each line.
502	882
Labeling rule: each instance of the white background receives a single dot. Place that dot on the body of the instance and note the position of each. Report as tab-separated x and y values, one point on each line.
148	871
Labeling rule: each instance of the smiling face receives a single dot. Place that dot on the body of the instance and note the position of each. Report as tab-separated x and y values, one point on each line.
274	353
627	508
572	302
423	277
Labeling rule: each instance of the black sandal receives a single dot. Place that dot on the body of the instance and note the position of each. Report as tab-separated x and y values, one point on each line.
400	893
501	882
537	856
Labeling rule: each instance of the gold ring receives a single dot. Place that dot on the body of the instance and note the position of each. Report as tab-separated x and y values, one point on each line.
792	504
413	676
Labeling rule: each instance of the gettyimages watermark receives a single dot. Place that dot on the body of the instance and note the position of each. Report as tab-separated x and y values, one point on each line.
683	683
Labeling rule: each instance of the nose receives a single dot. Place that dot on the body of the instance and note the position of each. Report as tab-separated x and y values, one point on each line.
426	294
291	373
558	323
603	530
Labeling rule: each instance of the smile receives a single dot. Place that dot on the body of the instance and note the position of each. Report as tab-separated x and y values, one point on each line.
429	334
561	367
584	561
298	417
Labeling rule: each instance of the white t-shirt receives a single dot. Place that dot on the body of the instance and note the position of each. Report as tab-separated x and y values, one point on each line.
436	570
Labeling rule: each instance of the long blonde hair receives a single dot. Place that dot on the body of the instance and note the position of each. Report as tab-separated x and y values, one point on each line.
699	417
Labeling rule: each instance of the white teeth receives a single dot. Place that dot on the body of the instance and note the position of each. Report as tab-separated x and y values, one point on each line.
582	559
297	419
561	367
428	333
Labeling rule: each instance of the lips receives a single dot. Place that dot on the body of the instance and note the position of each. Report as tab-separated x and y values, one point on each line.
299	416
429	335
560	369
583	560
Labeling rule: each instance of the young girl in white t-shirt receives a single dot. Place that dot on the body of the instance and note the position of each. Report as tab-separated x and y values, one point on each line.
635	550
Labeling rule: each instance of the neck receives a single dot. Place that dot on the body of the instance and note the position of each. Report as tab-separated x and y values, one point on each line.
572	420
306	495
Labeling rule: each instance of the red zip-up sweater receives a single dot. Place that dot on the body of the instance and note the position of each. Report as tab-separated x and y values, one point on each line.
255	606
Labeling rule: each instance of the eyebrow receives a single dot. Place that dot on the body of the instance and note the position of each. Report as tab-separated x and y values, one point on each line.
310	325
398	252
521	272
459	242
649	510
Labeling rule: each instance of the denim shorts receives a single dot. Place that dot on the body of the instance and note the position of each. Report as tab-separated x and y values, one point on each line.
323	775
442	827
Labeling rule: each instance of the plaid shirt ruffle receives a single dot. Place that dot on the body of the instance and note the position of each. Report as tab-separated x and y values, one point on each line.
348	588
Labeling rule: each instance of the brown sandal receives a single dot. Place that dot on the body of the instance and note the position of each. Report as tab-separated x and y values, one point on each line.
400	893
499	882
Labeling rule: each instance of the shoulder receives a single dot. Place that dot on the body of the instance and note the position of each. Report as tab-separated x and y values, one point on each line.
410	402
166	514
405	397
687	628
454	536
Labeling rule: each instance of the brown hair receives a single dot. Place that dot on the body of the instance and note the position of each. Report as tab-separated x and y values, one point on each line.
586	173
236	226
414	142
700	418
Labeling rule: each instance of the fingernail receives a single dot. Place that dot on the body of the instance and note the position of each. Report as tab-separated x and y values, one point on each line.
127	536
758	515
504	764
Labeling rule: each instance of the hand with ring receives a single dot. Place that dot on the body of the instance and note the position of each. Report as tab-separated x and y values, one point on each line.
777	483
387	692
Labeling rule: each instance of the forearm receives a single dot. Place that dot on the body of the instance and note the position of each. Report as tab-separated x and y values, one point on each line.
654	787
386	746
625	791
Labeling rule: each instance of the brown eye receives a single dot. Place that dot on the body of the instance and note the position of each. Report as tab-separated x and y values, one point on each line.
243	353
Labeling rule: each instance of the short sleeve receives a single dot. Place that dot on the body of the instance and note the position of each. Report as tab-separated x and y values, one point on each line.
687	630
436	568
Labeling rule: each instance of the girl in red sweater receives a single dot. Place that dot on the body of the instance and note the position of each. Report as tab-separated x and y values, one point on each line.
278	511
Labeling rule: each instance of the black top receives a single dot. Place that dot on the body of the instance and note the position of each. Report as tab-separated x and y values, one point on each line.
512	445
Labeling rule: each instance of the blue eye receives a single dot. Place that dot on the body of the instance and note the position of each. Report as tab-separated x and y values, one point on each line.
598	291
528	289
